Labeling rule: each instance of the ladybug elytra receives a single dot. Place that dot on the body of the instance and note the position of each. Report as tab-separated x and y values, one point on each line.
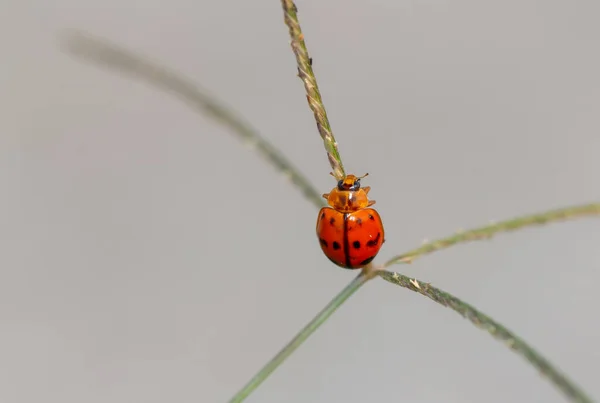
350	233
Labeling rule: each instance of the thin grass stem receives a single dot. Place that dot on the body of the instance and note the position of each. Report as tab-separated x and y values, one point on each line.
301	337
313	96
501	333
103	53
486	232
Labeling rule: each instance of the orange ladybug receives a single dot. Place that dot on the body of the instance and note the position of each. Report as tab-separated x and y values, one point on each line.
349	232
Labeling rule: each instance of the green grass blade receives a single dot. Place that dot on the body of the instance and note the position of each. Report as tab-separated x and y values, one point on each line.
301	337
482	321
486	232
103	53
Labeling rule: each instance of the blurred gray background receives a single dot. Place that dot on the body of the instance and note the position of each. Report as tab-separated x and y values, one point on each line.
149	257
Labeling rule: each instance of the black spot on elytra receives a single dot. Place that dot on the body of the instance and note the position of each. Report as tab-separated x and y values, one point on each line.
371	217
374	242
367	261
331	221
359	221
356	244
322	215
336	245
323	242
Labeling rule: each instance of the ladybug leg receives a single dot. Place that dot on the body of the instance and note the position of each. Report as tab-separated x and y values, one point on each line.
326	196
371	202
366	189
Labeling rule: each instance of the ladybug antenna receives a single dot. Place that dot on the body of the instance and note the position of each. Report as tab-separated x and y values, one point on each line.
364	176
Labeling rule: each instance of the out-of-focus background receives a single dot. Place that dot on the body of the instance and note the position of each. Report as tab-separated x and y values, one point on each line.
147	256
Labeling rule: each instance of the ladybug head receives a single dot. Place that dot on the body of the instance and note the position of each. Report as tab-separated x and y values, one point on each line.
350	183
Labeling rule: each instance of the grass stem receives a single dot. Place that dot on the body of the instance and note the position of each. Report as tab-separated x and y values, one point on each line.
301	337
313	96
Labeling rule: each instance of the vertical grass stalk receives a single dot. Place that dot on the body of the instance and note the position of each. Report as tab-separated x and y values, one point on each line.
313	96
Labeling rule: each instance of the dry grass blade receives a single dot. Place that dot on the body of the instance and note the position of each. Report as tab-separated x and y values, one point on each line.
482	321
106	54
313	96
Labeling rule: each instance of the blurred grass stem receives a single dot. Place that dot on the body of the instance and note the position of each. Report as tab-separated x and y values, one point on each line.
103	53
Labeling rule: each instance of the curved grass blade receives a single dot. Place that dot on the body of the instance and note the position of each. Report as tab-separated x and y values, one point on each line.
482	321
103	53
313	95
486	232
301	337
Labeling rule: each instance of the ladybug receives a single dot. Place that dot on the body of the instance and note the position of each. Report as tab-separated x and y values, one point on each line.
349	232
